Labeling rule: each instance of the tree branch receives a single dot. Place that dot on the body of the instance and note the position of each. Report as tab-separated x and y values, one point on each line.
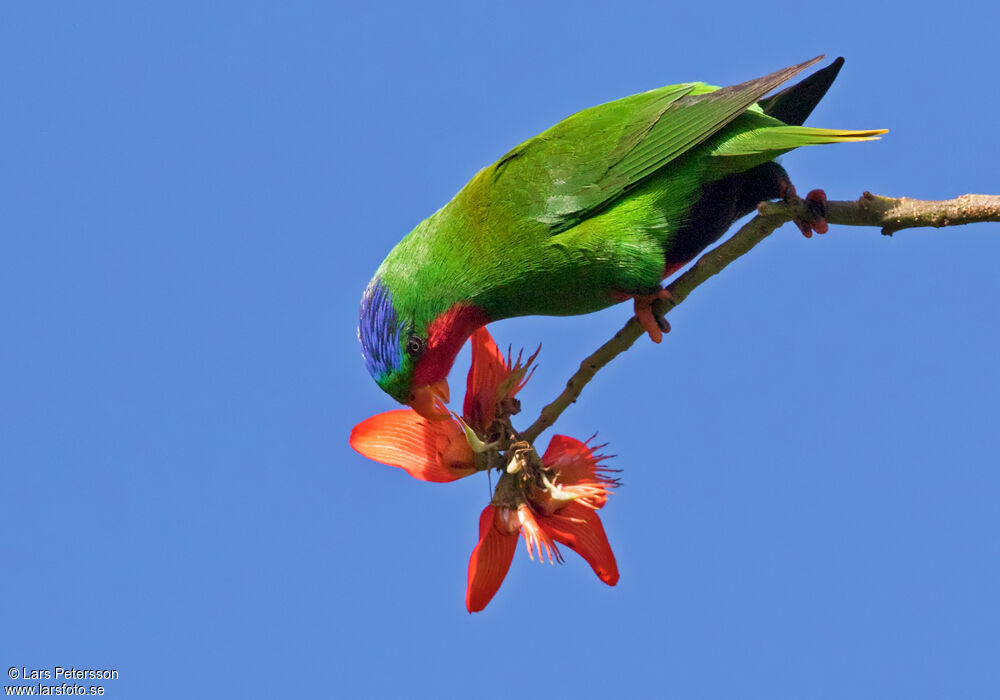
894	214
891	214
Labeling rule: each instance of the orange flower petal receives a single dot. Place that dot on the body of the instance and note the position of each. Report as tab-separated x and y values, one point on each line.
580	529
576	465
431	450
491	379
519	374
487	371
564	449
489	562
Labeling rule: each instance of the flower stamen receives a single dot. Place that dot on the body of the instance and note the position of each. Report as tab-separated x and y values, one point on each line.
536	538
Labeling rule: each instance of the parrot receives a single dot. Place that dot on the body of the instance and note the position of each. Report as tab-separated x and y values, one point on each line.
596	210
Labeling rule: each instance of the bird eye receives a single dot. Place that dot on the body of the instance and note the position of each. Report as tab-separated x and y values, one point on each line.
414	346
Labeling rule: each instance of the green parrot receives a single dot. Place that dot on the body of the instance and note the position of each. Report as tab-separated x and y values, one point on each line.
598	209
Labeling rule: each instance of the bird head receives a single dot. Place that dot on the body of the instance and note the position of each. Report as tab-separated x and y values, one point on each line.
409	351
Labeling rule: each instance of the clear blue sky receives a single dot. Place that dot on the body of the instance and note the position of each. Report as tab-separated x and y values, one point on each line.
194	196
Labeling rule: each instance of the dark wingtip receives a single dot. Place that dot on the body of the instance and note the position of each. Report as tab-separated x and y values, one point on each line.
794	104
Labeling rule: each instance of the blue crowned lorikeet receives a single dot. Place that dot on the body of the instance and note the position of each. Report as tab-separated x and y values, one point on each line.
597	209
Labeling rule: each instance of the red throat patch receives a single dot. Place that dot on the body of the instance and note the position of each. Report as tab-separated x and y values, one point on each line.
445	337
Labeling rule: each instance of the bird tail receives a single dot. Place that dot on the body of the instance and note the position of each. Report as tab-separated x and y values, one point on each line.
794	104
785	138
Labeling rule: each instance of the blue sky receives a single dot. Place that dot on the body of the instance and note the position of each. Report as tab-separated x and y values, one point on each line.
194	196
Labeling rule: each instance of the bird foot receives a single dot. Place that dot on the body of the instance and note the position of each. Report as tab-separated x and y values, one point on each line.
816	206
654	325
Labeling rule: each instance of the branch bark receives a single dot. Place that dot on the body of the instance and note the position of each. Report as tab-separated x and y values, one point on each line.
894	214
888	213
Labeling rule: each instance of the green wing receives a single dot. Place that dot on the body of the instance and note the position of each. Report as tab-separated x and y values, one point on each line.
583	163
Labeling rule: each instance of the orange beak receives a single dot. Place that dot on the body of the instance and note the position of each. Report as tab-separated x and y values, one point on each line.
429	400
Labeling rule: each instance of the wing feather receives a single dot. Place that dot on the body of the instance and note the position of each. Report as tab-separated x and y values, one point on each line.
586	161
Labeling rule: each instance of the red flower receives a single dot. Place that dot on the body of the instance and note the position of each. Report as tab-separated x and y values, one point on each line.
564	511
438	450
492	381
547	501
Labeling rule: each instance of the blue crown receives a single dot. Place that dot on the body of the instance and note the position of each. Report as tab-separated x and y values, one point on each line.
379	330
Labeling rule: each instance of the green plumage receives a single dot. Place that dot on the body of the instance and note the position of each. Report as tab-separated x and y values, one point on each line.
570	220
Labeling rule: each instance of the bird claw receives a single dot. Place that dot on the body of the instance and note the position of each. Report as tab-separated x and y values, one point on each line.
654	325
815	204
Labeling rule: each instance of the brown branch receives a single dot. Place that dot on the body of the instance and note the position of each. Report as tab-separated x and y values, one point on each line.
870	210
894	214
